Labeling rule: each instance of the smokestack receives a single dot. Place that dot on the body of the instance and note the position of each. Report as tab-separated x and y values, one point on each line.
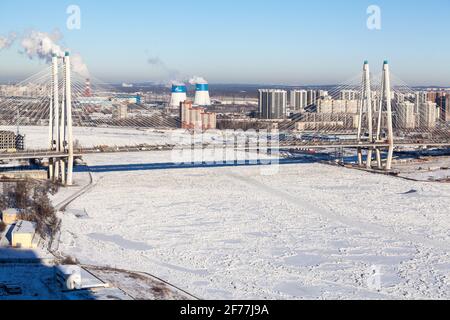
179	91
202	95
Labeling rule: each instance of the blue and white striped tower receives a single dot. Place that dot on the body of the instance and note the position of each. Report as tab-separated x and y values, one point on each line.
179	91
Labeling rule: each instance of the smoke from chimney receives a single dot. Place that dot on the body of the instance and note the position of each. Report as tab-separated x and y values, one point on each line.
197	80
41	45
160	64
7	41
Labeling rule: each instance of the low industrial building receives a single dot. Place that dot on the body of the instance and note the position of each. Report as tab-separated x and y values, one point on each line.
23	235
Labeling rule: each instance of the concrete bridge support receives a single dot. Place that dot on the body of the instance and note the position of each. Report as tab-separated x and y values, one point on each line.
366	130
60	123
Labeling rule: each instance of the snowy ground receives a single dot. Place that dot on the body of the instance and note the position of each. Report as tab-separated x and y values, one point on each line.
308	231
426	169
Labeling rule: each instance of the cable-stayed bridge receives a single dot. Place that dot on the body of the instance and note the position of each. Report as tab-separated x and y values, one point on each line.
383	114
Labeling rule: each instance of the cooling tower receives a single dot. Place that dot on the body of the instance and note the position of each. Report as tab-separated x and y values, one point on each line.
202	95
178	95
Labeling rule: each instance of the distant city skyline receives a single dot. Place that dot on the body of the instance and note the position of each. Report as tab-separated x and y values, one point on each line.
295	43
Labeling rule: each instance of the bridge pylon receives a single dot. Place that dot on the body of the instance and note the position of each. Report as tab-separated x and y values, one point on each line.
383	117
366	109
60	123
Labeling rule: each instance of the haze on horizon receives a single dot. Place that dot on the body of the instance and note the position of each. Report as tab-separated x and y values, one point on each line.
269	42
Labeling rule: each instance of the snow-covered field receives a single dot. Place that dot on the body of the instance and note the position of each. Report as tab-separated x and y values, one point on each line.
427	169
308	231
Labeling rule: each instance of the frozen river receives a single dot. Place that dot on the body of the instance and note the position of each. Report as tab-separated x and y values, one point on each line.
306	231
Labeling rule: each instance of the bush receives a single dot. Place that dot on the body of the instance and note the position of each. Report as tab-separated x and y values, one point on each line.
2	226
69	261
32	198
22	191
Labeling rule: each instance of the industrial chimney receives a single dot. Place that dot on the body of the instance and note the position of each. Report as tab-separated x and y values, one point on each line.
202	94
178	95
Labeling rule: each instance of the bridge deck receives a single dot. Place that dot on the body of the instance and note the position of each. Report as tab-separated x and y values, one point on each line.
43	154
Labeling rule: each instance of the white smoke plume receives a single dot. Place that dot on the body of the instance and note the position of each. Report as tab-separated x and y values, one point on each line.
197	80
160	64
177	83
156	61
42	46
78	66
7	41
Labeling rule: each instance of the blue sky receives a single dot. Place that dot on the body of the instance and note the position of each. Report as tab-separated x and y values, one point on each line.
239	41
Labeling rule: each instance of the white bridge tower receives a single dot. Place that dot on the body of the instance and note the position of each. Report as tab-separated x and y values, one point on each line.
366	134
60	123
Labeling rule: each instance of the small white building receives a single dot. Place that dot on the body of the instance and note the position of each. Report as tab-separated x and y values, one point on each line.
10	216
73	278
23	235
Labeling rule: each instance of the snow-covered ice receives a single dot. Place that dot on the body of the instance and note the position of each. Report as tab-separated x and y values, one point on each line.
306	231
309	231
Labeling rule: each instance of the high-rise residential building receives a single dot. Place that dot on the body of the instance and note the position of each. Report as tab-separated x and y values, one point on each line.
447	108
311	99
328	105
299	99
350	95
120	111
196	118
443	107
428	115
322	94
432	96
421	97
405	115
399	97
272	103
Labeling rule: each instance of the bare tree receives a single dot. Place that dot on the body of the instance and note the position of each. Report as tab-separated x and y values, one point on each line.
2	226
22	191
